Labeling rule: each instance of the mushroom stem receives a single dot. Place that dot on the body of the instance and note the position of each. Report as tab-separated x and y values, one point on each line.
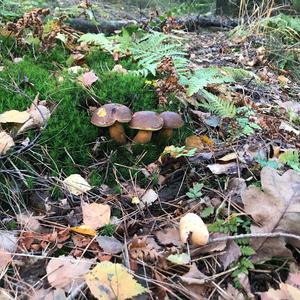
142	137
167	133
117	133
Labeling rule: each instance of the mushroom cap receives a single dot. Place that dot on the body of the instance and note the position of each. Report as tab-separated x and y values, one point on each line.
171	119
146	120
108	114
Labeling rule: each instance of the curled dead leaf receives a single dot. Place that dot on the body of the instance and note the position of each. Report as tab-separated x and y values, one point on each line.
6	142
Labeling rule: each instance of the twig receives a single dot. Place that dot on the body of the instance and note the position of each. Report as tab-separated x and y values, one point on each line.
254	235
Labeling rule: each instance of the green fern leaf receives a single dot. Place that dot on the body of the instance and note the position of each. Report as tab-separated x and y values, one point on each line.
98	39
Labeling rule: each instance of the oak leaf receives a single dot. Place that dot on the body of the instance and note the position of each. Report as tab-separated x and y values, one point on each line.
112	281
275	209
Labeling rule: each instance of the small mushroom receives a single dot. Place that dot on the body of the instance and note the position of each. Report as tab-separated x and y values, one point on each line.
172	121
145	122
112	116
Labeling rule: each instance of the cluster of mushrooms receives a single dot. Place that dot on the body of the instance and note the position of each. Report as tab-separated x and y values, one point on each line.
113	115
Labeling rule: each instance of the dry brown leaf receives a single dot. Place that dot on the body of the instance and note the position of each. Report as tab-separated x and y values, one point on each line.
5	259
109	281
65	272
88	78
229	157
230	168
232	254
232	294
194	281
95	215
6	142
8	240
110	244
285	292
29	222
276	208
14	116
168	236
76	184
148	198
191	225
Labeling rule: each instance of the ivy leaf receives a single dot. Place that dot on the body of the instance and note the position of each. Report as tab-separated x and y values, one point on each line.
112	281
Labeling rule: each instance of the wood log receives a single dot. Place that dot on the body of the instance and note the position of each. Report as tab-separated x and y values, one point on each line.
190	23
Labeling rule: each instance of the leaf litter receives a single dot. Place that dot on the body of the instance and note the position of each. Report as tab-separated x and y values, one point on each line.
232	170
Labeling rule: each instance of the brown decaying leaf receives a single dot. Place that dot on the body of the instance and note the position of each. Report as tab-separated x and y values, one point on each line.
232	254
88	78
95	215
276	208
110	244
168	236
65	272
229	168
6	142
5	259
285	292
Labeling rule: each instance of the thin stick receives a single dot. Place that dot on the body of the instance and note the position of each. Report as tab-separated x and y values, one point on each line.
254	235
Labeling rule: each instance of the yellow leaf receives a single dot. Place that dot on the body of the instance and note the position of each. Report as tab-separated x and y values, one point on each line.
14	116
76	184
102	112
229	156
135	200
112	281
84	229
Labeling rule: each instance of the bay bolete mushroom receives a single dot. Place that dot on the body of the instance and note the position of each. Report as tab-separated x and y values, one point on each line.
146	122
112	116
172	120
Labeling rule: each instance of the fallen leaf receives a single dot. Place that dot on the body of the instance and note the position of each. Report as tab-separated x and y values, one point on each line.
135	200
5	259
8	241
110	244
88	78
65	272
39	115
179	259
148	198
95	215
276	208
168	236
232	254
76	184
14	116
294	279
112	281
119	69
285	292
84	229
287	127
191	225
232	293
29	222
230	168
282	79
6	142
229	157
195	282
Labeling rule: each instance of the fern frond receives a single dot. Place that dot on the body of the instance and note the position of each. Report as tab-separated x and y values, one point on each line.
216	105
206	76
98	39
152	49
291	158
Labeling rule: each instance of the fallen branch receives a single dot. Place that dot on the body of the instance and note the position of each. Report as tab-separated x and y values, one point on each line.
254	235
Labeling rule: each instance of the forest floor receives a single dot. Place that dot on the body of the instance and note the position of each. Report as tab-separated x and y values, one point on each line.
211	212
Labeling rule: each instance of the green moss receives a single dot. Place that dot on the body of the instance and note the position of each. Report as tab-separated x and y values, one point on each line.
128	89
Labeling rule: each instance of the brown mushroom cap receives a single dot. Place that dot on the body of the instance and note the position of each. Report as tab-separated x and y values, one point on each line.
108	114
146	120
171	119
